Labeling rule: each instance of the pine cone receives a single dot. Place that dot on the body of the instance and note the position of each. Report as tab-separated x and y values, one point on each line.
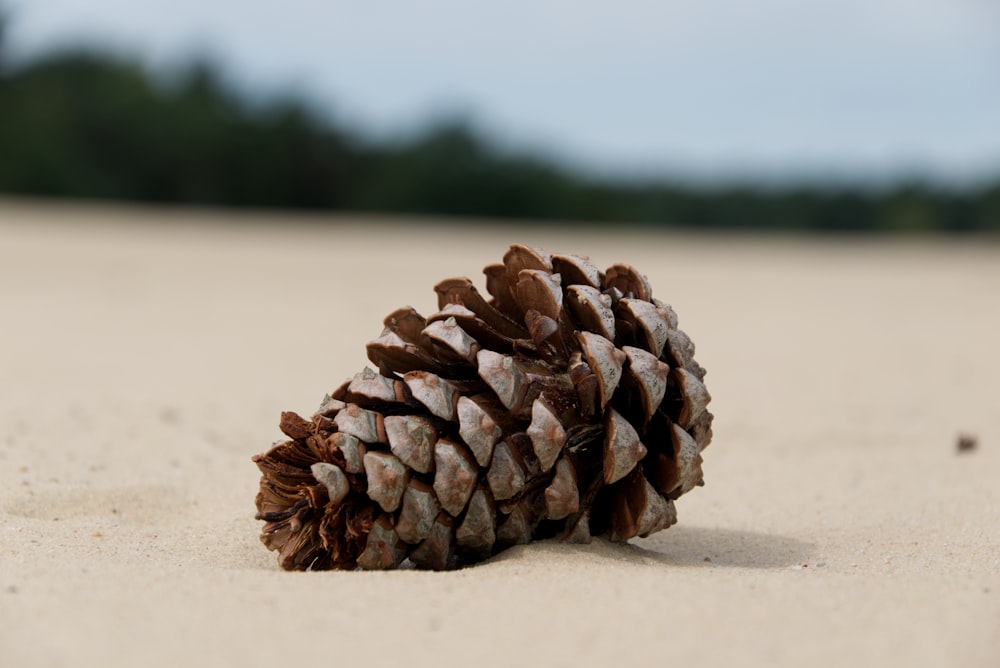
567	405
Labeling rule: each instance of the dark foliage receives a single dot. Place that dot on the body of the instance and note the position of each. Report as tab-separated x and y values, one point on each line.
87	125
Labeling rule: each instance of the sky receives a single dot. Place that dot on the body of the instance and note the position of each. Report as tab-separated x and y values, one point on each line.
860	90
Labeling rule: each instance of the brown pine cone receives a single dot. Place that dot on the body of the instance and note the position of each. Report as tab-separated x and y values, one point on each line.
567	405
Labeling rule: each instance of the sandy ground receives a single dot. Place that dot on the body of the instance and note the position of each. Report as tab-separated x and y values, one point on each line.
146	356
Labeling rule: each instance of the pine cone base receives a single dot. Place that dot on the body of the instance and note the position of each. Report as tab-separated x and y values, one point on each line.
566	405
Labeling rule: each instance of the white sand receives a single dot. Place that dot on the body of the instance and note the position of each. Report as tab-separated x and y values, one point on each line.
146	356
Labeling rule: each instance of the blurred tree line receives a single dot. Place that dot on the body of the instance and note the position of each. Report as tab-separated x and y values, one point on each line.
89	125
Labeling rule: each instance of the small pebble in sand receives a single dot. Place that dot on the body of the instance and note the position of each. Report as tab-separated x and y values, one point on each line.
966	443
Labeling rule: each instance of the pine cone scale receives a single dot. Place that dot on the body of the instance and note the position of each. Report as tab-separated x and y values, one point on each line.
455	476
420	509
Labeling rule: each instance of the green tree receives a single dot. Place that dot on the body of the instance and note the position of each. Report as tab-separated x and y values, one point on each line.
86	124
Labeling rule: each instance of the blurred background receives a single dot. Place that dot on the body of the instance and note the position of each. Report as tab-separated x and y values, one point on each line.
855	115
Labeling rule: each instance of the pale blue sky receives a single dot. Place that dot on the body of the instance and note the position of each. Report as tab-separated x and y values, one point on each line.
862	88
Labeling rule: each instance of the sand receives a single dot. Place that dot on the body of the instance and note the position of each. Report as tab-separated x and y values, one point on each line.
146	355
